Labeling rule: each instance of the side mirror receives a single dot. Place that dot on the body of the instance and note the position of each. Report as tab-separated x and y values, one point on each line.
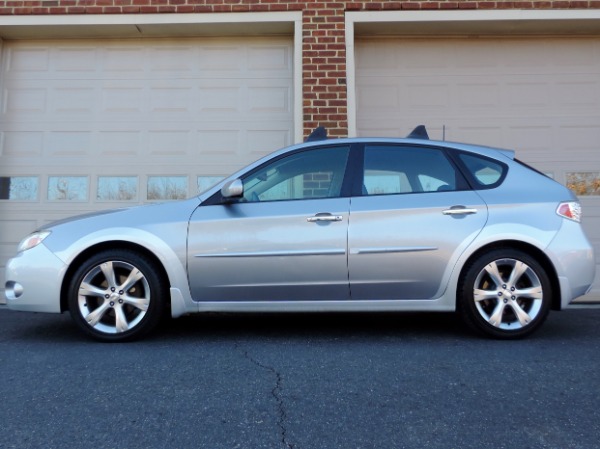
233	189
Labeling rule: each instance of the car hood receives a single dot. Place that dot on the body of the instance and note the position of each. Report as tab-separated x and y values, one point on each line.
67	220
136	216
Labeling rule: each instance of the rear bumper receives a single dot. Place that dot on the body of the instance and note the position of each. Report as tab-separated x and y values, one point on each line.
33	281
573	258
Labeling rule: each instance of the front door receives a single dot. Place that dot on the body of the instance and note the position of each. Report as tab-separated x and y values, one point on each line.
285	239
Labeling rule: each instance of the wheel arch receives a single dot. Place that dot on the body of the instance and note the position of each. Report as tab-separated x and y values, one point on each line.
88	252
532	250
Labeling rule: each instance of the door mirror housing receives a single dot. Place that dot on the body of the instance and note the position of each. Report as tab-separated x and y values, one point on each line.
233	189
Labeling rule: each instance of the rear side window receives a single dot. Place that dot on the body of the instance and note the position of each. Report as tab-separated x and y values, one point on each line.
397	169
487	173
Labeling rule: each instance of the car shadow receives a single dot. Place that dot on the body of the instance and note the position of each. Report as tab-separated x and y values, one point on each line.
40	327
300	325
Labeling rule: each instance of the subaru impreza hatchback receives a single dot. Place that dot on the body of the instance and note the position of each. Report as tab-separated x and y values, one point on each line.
362	225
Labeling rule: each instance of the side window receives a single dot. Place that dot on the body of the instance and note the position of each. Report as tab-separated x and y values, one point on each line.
396	169
487	172
309	174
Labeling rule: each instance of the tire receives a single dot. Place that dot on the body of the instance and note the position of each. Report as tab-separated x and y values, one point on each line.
117	295
504	293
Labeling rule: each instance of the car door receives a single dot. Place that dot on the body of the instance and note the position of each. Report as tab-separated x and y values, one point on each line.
284	239
414	217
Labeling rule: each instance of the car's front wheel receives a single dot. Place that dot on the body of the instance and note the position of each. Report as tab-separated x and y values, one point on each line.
117	295
505	293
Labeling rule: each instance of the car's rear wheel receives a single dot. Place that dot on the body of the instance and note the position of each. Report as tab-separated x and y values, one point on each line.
117	295
505	293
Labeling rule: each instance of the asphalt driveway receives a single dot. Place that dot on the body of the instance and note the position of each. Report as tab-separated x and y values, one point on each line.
302	382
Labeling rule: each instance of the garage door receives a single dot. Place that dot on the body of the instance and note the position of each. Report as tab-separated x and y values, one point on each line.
538	96
89	124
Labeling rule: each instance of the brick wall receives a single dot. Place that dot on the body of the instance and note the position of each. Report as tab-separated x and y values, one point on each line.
323	46
316	185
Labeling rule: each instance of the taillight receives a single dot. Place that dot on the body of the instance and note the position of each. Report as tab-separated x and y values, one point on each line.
570	210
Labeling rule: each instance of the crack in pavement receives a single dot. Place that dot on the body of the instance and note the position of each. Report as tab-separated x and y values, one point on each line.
276	393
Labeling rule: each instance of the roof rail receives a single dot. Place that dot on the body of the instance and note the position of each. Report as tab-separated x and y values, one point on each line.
319	133
419	133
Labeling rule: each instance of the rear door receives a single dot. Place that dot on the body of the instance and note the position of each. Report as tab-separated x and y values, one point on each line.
415	215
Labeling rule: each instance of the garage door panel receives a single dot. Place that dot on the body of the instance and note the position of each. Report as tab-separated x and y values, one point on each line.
538	96
577	93
67	100
22	60
269	100
30	99
21	144
259	139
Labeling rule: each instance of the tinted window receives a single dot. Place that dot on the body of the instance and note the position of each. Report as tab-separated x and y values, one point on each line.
392	169
486	172
305	175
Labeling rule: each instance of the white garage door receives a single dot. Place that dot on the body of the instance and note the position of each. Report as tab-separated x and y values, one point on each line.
538	96
89	124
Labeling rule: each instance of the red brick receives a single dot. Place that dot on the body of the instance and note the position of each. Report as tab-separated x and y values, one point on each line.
202	8
353	6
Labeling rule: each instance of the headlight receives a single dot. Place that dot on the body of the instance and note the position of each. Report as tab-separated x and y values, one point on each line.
33	240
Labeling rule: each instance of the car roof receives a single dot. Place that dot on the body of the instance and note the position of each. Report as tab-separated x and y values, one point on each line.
472	148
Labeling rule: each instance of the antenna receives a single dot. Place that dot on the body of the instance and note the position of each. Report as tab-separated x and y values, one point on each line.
444	133
418	133
319	133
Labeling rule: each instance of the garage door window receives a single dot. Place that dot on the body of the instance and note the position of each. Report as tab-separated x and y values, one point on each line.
117	188
584	183
68	188
206	182
167	187
19	188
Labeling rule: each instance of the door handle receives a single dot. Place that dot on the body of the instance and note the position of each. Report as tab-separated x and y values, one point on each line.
324	217
459	210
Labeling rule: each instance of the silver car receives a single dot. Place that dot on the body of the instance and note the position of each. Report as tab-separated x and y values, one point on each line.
363	224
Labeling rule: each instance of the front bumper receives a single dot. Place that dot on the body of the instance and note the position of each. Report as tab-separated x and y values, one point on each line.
33	281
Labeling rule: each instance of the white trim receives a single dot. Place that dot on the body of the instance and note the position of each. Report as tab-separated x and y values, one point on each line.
350	76
472	15
298	88
459	22
149	19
